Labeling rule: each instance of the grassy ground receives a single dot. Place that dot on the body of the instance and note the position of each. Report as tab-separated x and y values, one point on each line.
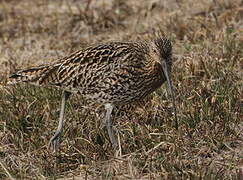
207	74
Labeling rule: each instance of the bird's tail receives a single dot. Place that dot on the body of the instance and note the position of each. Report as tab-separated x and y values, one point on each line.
36	75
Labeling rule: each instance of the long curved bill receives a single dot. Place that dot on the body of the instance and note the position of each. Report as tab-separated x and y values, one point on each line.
171	90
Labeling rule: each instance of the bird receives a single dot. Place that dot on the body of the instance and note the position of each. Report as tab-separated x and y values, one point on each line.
110	74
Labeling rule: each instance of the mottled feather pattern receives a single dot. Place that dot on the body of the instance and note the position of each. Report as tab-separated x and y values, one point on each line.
116	72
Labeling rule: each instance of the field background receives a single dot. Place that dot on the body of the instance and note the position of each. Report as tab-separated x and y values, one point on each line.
207	75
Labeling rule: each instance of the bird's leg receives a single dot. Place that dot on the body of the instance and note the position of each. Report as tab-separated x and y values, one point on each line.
54	141
108	123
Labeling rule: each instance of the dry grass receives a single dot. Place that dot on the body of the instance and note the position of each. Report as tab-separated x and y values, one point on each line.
207	75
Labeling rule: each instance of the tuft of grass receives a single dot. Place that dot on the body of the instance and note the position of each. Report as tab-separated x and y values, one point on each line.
207	76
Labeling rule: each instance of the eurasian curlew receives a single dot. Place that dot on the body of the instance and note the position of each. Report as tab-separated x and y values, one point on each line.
111	74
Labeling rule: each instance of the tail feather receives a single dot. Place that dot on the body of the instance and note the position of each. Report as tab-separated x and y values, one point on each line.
38	76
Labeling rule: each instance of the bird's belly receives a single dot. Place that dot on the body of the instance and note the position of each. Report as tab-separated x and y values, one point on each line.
121	93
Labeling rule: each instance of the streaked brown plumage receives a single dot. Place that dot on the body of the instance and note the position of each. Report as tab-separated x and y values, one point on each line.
111	74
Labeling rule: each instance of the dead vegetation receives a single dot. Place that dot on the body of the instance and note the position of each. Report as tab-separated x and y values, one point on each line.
207	75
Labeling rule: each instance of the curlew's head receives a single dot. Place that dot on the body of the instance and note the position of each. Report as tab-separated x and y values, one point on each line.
165	49
161	51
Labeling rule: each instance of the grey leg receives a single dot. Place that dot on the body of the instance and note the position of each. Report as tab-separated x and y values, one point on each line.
54	141
109	108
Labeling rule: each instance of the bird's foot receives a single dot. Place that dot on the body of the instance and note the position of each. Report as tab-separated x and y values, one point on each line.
54	142
113	138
